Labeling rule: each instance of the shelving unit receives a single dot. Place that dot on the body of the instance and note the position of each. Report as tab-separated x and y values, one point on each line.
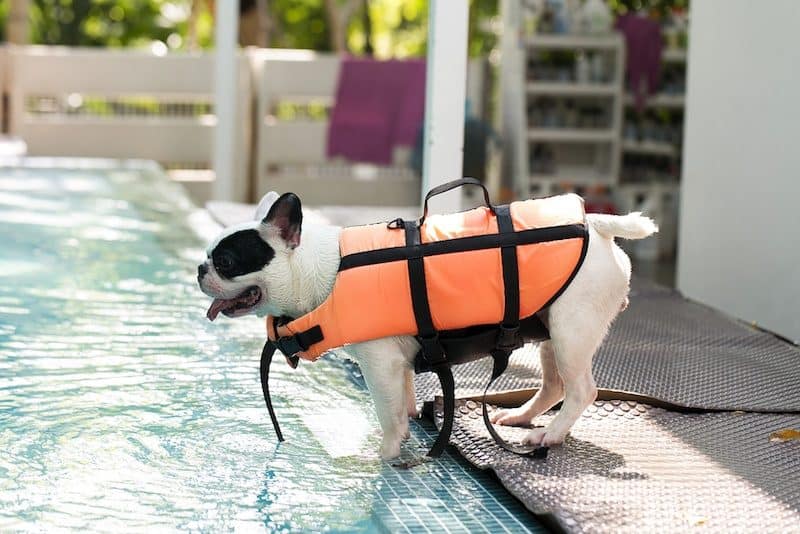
581	154
660	100
573	42
572	135
571	89
640	165
654	148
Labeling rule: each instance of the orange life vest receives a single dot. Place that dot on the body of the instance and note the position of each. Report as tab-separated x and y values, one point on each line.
461	259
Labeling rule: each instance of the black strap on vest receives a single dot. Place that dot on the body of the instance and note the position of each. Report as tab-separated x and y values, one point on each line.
291	345
427	334
428	337
508	335
508	331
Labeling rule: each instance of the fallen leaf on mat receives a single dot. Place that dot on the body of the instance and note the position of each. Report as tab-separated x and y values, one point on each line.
785	434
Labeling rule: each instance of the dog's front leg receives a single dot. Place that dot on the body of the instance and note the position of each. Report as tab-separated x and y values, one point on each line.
411	395
384	363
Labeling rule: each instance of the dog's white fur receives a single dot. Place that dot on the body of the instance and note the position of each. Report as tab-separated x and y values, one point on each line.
298	280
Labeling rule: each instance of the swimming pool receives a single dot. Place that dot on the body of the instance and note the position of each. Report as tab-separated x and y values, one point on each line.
122	407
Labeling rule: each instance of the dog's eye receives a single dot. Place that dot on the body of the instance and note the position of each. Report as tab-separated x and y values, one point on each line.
224	262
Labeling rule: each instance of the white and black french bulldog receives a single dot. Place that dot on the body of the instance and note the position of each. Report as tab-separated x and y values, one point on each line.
276	266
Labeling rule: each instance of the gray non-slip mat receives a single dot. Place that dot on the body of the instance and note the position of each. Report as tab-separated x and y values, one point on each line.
629	467
671	349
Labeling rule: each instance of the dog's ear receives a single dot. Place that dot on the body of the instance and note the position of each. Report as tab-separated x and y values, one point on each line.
286	215
266	203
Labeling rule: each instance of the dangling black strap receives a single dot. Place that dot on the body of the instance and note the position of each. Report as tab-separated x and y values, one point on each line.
266	360
508	336
426	333
445	375
500	364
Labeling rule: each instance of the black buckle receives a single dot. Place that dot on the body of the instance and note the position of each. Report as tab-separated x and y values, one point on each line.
432	350
508	338
289	346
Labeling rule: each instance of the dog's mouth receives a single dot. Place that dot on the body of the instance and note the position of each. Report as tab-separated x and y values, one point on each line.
239	305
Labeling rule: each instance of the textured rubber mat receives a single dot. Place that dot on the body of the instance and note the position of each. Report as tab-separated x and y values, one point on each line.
671	349
630	467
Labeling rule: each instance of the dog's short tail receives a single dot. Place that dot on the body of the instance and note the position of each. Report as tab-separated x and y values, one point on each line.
631	226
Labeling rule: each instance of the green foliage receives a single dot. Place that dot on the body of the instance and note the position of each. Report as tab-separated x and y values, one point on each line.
659	7
400	28
481	14
4	5
102	22
299	24
111	23
396	28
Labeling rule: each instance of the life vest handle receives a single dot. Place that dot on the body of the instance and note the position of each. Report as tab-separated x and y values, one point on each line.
439	189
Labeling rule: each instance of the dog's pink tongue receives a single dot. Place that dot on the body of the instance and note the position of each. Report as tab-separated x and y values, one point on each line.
217	306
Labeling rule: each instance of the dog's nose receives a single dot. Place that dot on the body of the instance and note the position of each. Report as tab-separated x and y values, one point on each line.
202	269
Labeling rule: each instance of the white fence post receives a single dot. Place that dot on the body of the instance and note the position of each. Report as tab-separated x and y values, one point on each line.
445	97
226	79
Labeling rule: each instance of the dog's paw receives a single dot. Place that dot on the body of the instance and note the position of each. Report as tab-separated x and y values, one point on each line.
405	429
541	437
511	417
390	448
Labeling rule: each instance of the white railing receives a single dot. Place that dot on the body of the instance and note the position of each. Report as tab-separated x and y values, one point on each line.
115	103
122	104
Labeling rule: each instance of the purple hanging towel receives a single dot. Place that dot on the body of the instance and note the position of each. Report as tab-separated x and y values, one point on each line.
379	105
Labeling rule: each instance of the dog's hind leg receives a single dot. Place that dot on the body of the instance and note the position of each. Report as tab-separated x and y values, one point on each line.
578	321
580	391
574	343
549	394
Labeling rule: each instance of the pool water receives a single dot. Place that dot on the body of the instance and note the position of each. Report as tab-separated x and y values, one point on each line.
122	407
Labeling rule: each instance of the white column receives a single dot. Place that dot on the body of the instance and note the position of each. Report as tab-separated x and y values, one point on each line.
225	81
445	97
738	246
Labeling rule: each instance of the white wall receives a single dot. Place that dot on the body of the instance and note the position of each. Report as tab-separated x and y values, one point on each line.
739	248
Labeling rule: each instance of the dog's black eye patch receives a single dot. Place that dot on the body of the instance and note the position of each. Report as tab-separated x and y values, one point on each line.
241	253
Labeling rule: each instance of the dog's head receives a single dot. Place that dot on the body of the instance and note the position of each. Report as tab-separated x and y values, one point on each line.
246	264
